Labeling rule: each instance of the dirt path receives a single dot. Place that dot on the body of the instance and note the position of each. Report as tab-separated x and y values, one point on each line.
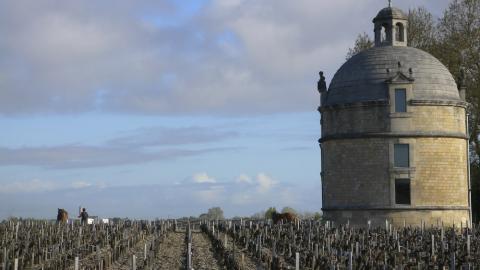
171	254
203	254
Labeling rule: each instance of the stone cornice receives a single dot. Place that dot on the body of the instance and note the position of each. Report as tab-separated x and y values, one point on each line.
371	103
425	102
385	102
418	134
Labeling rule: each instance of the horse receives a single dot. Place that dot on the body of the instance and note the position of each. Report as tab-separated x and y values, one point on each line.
285	217
62	216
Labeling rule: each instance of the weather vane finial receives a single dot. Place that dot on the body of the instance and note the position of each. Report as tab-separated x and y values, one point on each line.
389	3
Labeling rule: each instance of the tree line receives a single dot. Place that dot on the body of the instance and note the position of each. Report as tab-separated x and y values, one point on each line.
216	213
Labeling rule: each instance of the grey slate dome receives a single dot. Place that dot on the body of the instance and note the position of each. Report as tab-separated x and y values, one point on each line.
390	13
363	77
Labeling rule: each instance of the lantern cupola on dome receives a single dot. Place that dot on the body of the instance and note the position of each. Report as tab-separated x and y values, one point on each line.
390	27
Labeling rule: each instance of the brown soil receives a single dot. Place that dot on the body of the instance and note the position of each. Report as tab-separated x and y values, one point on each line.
203	254
171	255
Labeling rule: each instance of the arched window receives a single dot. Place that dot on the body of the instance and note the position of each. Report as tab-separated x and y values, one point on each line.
399	32
383	33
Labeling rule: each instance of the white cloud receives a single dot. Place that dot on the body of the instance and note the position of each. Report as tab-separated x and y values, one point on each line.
263	190
162	136
265	183
81	184
242	198
101	185
212	195
237	56
34	185
243	179
203	177
37	185
85	156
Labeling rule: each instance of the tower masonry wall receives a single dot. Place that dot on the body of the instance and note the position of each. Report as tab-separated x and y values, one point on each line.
430	119
440	176
357	119
356	173
377	119
358	167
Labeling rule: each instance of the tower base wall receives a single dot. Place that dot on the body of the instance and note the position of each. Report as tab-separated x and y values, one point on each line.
399	217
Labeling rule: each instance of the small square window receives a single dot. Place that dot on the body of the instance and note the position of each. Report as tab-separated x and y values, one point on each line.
400	100
401	156
402	191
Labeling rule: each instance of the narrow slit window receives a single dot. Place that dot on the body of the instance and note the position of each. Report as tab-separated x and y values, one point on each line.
400	100
383	33
402	191
401	155
399	32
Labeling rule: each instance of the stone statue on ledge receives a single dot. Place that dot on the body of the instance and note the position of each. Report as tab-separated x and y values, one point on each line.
322	88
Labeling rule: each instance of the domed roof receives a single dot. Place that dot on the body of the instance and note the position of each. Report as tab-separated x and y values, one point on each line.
390	13
363	77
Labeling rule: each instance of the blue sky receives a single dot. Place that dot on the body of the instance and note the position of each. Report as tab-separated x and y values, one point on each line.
167	108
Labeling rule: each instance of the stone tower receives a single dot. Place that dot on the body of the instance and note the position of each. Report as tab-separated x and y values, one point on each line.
394	138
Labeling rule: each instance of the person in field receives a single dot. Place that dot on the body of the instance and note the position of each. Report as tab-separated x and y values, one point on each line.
84	216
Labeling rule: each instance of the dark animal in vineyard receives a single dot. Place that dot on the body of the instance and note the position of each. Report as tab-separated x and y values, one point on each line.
285	217
62	215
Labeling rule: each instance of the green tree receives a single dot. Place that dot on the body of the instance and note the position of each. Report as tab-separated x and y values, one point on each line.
421	29
269	212
475	175
363	42
311	215
259	215
214	213
288	209
317	216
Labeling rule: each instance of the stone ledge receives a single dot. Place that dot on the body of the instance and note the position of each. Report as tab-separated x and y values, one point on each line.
371	103
386	102
401	115
425	102
348	136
